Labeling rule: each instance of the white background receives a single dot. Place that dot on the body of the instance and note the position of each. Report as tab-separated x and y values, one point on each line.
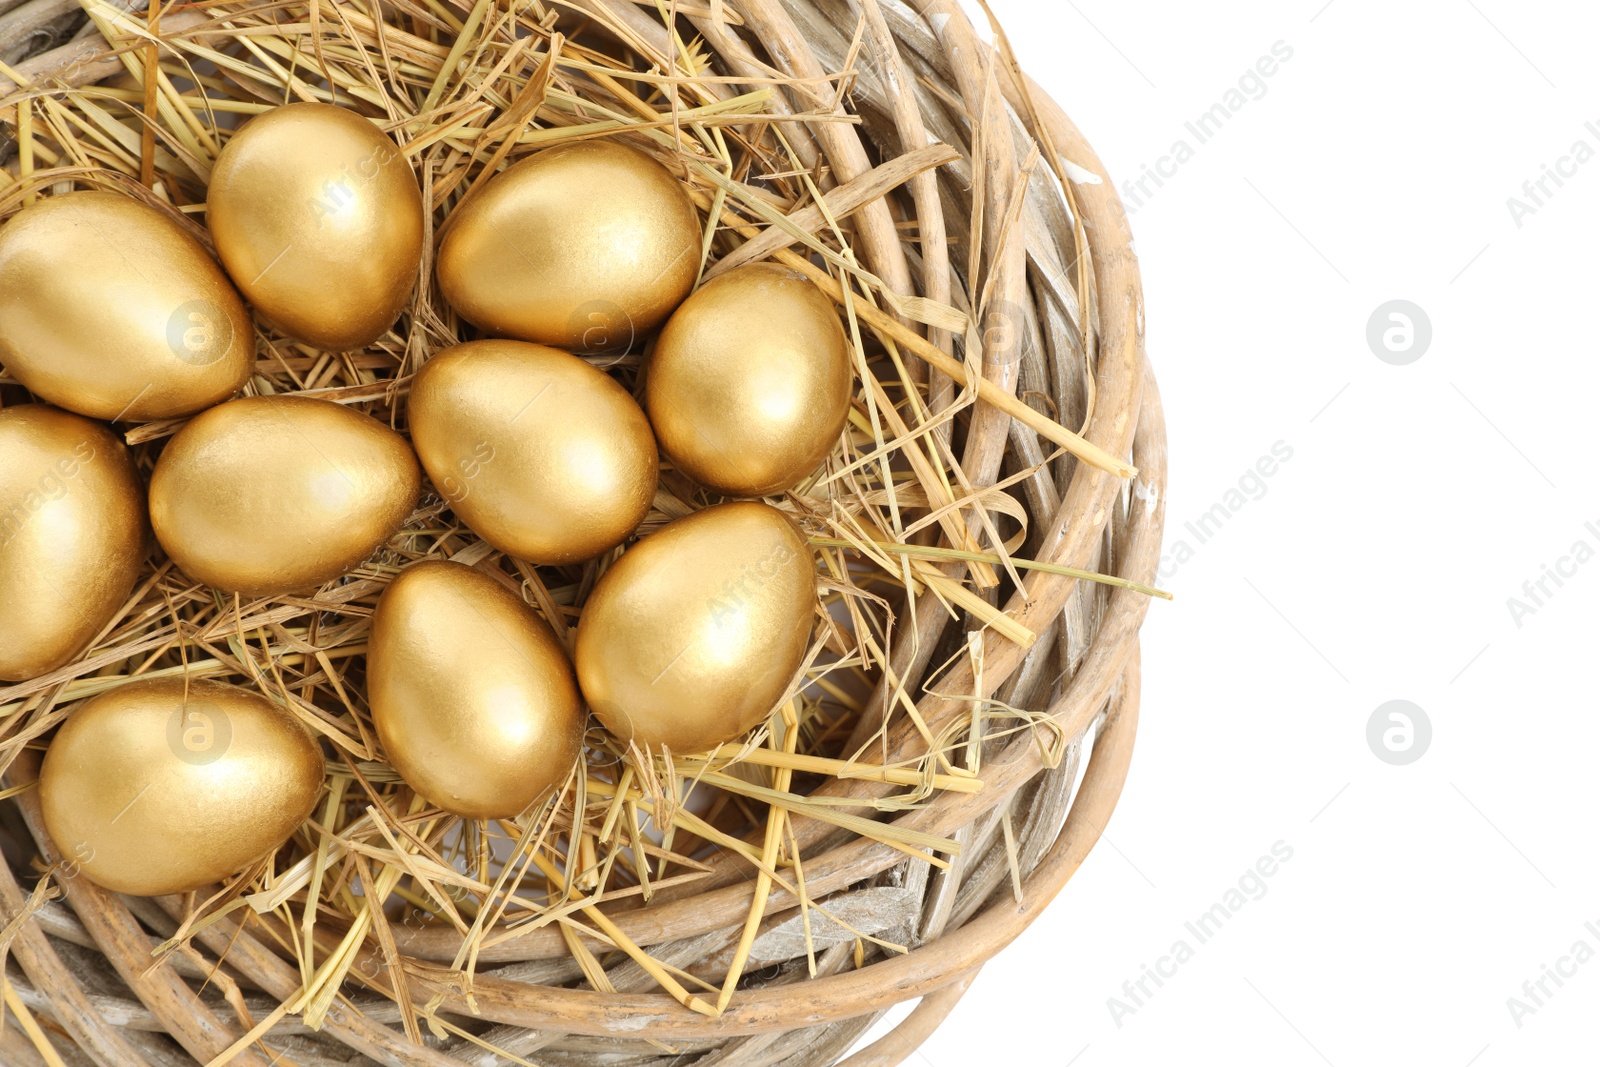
1376	566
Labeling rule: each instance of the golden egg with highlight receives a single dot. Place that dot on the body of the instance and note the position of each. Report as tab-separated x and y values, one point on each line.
749	384
167	785
318	218
542	455
471	694
585	246
271	494
72	535
109	308
696	632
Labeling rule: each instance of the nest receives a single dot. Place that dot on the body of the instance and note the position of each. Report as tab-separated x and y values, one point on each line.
964	723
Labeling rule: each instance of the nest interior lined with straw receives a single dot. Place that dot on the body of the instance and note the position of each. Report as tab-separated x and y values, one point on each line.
984	536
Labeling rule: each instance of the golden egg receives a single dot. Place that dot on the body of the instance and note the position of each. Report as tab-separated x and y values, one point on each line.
270	494
164	785
112	310
584	246
72	535
545	457
472	695
318	218
749	384
694	635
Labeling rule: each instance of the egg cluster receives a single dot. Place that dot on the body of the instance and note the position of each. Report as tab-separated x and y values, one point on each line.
165	784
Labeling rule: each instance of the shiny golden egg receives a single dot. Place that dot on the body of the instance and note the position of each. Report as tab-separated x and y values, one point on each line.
270	494
749	384
472	695
110	309
545	457
318	218
165	785
584	246
72	535
696	632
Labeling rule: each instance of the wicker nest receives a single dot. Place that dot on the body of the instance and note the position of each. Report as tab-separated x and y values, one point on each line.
964	725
